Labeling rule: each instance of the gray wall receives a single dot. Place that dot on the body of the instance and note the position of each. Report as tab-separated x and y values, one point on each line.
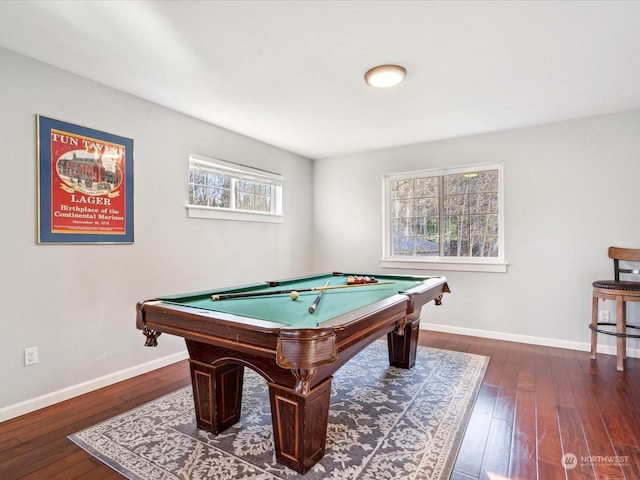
571	191
77	302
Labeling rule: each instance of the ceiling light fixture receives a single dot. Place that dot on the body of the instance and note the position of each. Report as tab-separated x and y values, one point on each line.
384	76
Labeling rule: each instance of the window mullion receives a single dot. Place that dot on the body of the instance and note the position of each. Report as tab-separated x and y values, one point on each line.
441	194
232	200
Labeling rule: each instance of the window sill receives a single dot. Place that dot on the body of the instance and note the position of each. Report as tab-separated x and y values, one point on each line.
212	213
455	266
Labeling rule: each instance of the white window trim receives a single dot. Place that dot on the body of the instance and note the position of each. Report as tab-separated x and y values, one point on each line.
462	266
216	213
213	213
466	264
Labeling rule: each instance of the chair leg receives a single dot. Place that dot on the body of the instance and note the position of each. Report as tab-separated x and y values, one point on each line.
621	327
594	324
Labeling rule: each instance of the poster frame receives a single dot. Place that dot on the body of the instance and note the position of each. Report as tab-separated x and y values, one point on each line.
83	210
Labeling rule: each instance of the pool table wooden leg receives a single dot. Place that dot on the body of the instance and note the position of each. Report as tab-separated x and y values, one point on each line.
300	424
217	394
403	344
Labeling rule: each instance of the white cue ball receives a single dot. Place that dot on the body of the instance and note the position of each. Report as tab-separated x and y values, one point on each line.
294	295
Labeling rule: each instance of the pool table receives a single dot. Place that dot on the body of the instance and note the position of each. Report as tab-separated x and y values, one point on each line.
296	351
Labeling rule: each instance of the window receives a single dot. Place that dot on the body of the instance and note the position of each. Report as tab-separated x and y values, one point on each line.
223	190
449	219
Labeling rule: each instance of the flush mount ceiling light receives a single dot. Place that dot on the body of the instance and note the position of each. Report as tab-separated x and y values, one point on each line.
384	76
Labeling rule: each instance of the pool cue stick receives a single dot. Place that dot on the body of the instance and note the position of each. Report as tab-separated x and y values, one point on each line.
314	305
224	296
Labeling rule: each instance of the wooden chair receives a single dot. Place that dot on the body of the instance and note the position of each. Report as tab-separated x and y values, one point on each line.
622	291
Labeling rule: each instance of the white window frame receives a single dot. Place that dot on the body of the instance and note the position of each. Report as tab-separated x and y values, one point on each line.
472	264
237	171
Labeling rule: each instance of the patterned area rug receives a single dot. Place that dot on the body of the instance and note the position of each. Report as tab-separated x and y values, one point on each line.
384	423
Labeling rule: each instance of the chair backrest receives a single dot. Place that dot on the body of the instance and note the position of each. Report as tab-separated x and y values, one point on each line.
628	256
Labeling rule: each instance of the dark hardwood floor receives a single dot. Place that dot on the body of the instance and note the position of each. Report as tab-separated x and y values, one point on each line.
536	404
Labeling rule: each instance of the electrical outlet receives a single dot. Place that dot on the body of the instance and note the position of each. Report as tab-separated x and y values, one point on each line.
603	316
30	356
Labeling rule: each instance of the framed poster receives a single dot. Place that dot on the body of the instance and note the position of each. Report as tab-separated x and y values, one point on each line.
85	184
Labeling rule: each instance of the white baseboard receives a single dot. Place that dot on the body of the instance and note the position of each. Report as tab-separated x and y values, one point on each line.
543	341
49	399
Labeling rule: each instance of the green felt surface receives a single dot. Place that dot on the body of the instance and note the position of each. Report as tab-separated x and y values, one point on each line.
281	309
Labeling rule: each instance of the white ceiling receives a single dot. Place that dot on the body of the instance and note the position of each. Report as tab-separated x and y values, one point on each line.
290	73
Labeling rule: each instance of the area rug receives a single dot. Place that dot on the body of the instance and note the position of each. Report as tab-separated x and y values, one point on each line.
384	423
